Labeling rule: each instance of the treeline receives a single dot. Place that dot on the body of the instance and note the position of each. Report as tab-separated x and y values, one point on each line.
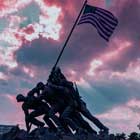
123	136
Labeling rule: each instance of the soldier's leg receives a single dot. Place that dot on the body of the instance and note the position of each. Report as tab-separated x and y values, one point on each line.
67	130
88	115
46	118
33	120
66	118
60	110
50	124
54	109
82	123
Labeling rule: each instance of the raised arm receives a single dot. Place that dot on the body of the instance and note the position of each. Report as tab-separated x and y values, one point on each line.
59	88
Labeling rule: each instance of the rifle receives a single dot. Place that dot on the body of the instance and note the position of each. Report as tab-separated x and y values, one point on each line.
76	89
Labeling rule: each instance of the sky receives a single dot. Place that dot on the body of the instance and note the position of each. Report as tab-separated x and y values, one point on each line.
32	34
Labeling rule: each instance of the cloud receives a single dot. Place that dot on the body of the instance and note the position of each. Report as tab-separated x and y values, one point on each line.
119	116
85	47
39	53
22	25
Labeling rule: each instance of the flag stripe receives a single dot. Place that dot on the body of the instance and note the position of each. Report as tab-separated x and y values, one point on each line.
98	29
98	25
104	21
109	14
106	26
101	15
95	19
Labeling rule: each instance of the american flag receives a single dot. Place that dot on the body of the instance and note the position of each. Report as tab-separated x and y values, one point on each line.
104	21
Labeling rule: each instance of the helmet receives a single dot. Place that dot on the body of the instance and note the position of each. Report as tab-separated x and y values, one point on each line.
40	85
20	98
57	70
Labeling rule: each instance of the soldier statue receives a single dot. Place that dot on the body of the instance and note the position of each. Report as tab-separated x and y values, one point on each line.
59	81
39	108
61	96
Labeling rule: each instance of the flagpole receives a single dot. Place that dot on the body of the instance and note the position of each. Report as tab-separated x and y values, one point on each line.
65	44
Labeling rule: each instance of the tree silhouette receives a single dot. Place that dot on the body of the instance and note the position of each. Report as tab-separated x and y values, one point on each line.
134	136
121	136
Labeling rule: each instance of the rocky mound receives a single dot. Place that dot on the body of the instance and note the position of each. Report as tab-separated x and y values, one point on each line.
43	134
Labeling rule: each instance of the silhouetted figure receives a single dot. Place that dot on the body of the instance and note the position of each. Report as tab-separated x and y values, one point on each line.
59	106
39	108
84	110
75	102
79	120
60	101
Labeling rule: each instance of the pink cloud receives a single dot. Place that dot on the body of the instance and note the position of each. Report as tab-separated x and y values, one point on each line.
134	103
122	118
131	73
115	49
28	30
95	64
11	99
107	63
3	76
29	71
48	27
8	7
15	114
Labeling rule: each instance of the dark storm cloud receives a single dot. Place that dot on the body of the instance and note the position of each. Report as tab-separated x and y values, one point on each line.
86	45
128	29
83	46
43	53
40	52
